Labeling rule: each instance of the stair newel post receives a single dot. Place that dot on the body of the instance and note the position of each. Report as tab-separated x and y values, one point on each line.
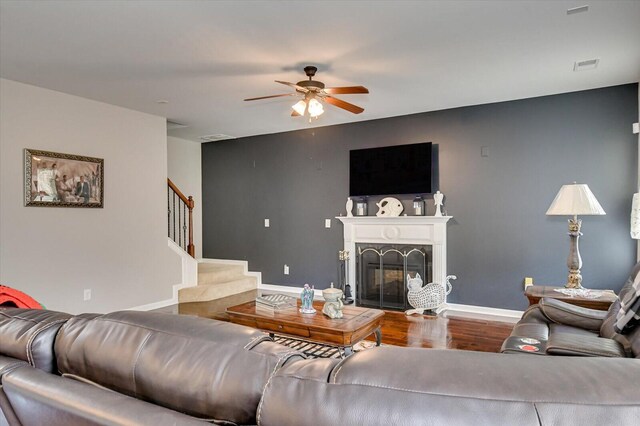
191	248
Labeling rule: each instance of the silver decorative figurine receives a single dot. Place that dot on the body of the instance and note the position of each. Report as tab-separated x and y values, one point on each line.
307	300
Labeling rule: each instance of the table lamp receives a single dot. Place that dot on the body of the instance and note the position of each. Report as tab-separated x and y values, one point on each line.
573	200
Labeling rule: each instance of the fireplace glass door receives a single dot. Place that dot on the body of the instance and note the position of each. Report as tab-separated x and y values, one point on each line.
381	273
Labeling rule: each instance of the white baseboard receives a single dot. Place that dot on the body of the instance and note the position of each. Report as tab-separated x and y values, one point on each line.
162	303
452	307
484	310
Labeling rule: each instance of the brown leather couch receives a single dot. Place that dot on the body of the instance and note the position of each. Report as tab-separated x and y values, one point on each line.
558	328
140	368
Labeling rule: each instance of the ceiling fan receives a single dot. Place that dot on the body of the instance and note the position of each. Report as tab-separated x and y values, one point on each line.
315	93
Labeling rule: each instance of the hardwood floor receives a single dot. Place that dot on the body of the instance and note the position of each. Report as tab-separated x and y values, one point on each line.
442	332
421	331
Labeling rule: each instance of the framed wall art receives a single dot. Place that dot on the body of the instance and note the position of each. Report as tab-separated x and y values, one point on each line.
53	179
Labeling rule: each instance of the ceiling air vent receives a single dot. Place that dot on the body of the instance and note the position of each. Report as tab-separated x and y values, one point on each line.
215	138
588	64
174	125
578	9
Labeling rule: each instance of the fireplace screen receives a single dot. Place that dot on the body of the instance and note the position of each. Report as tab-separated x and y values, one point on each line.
381	273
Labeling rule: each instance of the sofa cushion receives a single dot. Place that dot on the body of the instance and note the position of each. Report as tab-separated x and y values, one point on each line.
202	367
564	313
573	344
29	334
388	386
567	329
628	316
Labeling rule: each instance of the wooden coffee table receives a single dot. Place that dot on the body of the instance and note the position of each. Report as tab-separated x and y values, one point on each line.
356	325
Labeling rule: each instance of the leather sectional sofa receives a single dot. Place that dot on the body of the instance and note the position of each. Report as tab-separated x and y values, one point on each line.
564	329
130	368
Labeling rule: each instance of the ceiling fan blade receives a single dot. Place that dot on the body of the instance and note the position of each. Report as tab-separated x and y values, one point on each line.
344	105
294	113
272	96
346	90
295	86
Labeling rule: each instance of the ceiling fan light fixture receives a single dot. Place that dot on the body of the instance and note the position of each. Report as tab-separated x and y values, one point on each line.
315	94
300	107
315	108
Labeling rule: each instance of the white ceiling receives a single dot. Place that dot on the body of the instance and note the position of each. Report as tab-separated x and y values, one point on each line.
205	57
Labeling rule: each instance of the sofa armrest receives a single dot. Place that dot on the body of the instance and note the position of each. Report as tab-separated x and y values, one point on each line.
564	313
37	397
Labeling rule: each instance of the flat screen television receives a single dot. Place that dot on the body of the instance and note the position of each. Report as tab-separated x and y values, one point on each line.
400	169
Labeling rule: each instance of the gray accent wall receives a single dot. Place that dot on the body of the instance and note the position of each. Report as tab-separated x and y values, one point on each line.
499	233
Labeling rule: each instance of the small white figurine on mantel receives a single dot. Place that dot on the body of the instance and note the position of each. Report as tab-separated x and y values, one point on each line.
349	207
437	198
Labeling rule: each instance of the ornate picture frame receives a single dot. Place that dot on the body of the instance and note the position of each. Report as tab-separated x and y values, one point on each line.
54	179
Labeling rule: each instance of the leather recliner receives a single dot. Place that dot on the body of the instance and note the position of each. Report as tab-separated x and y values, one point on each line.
555	327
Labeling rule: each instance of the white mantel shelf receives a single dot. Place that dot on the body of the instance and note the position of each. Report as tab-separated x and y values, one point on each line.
399	219
418	230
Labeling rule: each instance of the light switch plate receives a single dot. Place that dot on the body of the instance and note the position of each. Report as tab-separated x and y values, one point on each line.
286	269
266	223
327	223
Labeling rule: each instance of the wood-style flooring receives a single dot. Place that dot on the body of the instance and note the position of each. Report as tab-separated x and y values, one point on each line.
422	331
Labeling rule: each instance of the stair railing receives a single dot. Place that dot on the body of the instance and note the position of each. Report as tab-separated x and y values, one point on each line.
180	218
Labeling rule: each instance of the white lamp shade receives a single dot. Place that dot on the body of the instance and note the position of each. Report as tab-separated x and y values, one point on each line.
315	108
300	107
575	199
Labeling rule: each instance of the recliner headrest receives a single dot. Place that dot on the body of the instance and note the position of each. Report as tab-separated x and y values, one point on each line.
29	334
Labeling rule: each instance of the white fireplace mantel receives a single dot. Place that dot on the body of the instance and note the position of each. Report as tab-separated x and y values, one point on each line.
419	230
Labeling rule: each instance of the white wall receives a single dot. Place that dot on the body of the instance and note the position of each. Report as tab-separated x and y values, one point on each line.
184	168
120	251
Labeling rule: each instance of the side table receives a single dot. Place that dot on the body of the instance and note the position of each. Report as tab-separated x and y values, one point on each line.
536	292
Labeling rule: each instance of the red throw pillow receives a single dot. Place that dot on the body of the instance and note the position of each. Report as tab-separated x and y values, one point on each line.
15	298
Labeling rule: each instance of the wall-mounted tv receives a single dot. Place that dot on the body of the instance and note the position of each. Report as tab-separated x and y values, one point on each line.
400	169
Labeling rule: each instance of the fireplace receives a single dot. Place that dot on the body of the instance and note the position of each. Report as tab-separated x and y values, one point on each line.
382	270
383	250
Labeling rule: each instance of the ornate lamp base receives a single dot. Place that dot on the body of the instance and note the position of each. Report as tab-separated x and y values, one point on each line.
574	280
574	261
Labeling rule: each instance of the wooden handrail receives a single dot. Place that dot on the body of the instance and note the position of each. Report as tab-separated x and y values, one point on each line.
177	191
190	203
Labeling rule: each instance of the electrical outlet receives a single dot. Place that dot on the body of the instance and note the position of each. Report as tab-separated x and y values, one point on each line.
87	294
484	151
528	281
286	269
266	223
327	223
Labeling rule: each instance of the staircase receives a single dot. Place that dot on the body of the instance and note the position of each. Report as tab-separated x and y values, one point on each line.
220	284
